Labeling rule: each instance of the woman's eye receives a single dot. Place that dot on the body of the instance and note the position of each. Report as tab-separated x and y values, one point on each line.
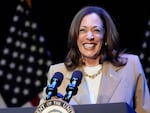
97	30
81	30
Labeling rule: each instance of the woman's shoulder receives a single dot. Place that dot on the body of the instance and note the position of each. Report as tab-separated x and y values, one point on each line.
130	55
58	65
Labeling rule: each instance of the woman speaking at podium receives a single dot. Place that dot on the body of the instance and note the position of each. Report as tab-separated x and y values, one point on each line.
110	75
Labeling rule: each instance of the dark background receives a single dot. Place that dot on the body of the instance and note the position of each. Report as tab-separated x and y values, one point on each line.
54	18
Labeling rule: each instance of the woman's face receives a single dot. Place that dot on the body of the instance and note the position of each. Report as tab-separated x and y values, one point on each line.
90	37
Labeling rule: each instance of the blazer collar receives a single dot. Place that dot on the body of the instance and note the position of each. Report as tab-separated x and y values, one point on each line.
109	82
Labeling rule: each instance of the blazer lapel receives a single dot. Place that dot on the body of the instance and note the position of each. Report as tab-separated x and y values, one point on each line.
109	82
82	96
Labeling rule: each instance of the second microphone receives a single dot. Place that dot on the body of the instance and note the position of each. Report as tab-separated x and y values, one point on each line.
72	87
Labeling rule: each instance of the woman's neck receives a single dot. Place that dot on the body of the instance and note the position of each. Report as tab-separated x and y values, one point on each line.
91	62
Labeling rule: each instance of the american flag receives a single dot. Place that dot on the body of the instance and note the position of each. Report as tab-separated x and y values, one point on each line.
24	60
145	53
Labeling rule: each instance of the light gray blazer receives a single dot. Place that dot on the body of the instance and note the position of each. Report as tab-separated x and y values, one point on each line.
118	84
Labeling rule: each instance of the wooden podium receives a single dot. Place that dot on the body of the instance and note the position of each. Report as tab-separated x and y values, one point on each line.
89	108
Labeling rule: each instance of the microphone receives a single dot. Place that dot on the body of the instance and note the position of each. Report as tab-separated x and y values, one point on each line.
72	87
55	82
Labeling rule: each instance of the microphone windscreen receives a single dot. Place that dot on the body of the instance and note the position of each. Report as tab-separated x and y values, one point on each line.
77	74
59	76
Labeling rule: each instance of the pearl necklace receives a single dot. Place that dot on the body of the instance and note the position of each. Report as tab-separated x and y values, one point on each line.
92	75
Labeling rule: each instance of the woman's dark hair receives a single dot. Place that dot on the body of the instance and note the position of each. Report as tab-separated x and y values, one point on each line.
110	48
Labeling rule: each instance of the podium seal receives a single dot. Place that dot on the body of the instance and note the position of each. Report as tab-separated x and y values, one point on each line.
54	106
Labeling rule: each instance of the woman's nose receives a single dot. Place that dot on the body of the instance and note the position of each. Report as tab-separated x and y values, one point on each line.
90	36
